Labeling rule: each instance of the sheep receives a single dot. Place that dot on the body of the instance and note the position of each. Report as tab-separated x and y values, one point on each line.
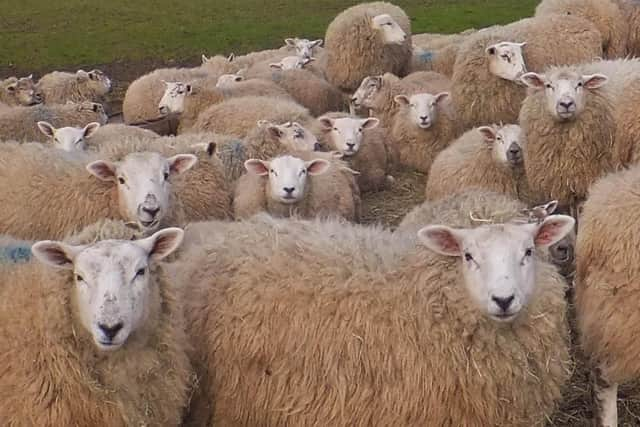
423	127
606	15
218	65
111	132
95	334
304	47
631	11
352	307
47	193
227	80
377	93
362	144
291	63
68	138
302	185
431	41
60	87
366	40
19	91
237	116
490	157
606	286
20	123
485	85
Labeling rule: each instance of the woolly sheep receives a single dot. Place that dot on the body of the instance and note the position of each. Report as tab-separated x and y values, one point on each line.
366	40
20	123
606	286
424	126
227	80
101	321
441	61
60	87
218	65
631	12
19	91
606	15
68	138
485	86
489	157
353	307
47	193
237	116
291	63
111	132
304	47
362	144
301	185
432	41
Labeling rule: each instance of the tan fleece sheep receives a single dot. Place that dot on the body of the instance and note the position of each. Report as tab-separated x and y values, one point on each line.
489	157
53	371
19	91
606	15
607	285
48	193
60	87
357	45
20	123
111	132
302	184
238	116
323	319
424	126
482	97
440	61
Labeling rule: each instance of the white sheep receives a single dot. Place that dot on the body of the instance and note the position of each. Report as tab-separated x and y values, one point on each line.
68	138
291	63
303	47
60	87
226	80
19	91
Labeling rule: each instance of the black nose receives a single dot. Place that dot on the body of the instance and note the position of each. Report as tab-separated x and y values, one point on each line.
288	190
317	147
351	145
354	99
151	211
566	105
503	303
424	118
110	331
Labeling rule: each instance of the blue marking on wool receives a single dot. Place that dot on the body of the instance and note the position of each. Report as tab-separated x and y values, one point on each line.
15	254
426	56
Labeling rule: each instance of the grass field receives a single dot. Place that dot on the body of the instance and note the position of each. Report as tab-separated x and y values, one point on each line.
39	35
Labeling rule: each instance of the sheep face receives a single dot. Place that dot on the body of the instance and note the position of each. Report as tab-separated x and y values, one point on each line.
227	80
291	63
389	30
114	295
93	107
303	47
173	99
22	90
506	60
294	136
506	144
287	176
422	108
96	80
346	133
565	91
143	183
497	261
367	91
68	138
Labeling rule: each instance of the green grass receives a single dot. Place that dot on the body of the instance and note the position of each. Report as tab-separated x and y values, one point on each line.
44	34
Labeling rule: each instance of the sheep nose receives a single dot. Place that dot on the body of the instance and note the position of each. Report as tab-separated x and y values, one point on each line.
151	211
350	145
424	118
566	104
288	190
503	303
317	146
163	110
354	99
110	331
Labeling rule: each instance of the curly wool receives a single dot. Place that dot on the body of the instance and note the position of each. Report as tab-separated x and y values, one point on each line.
112	132
341	305
354	50
51	374
59	87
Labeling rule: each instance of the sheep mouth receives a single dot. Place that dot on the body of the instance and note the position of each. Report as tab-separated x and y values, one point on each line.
149	224
504	317
424	125
289	200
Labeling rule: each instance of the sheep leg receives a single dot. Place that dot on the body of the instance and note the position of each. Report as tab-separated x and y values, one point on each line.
605	396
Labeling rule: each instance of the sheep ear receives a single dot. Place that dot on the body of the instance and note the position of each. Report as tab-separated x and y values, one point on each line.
211	148
594	81
56	254
204	59
337	154
231	57
316	43
275	131
534	80
103	170
317	166
290	42
90	129
82	75
549	208
370	123
551	230
162	243
402	100
441	239
523	44
238	78
441	96
29	77
491	50
276	66
12	86
488	133
181	163
326	123
257	167
46	128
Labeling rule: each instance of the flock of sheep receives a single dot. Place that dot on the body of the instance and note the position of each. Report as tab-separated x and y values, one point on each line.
218	276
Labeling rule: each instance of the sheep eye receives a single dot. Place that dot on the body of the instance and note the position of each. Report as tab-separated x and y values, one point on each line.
78	141
580	84
528	252
121	180
79	278
140	273
336	129
166	176
548	86
467	256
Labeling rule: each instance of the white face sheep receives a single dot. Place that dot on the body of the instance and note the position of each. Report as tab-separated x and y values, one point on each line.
173	99
100	83
227	80
112	283
143	181
291	63
506	143
303	47
565	91
20	91
347	132
498	261
292	135
506	61
68	138
389	29
363	96
423	107
287	175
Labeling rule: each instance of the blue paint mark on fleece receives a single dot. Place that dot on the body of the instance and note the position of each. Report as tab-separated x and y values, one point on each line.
15	254
426	56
